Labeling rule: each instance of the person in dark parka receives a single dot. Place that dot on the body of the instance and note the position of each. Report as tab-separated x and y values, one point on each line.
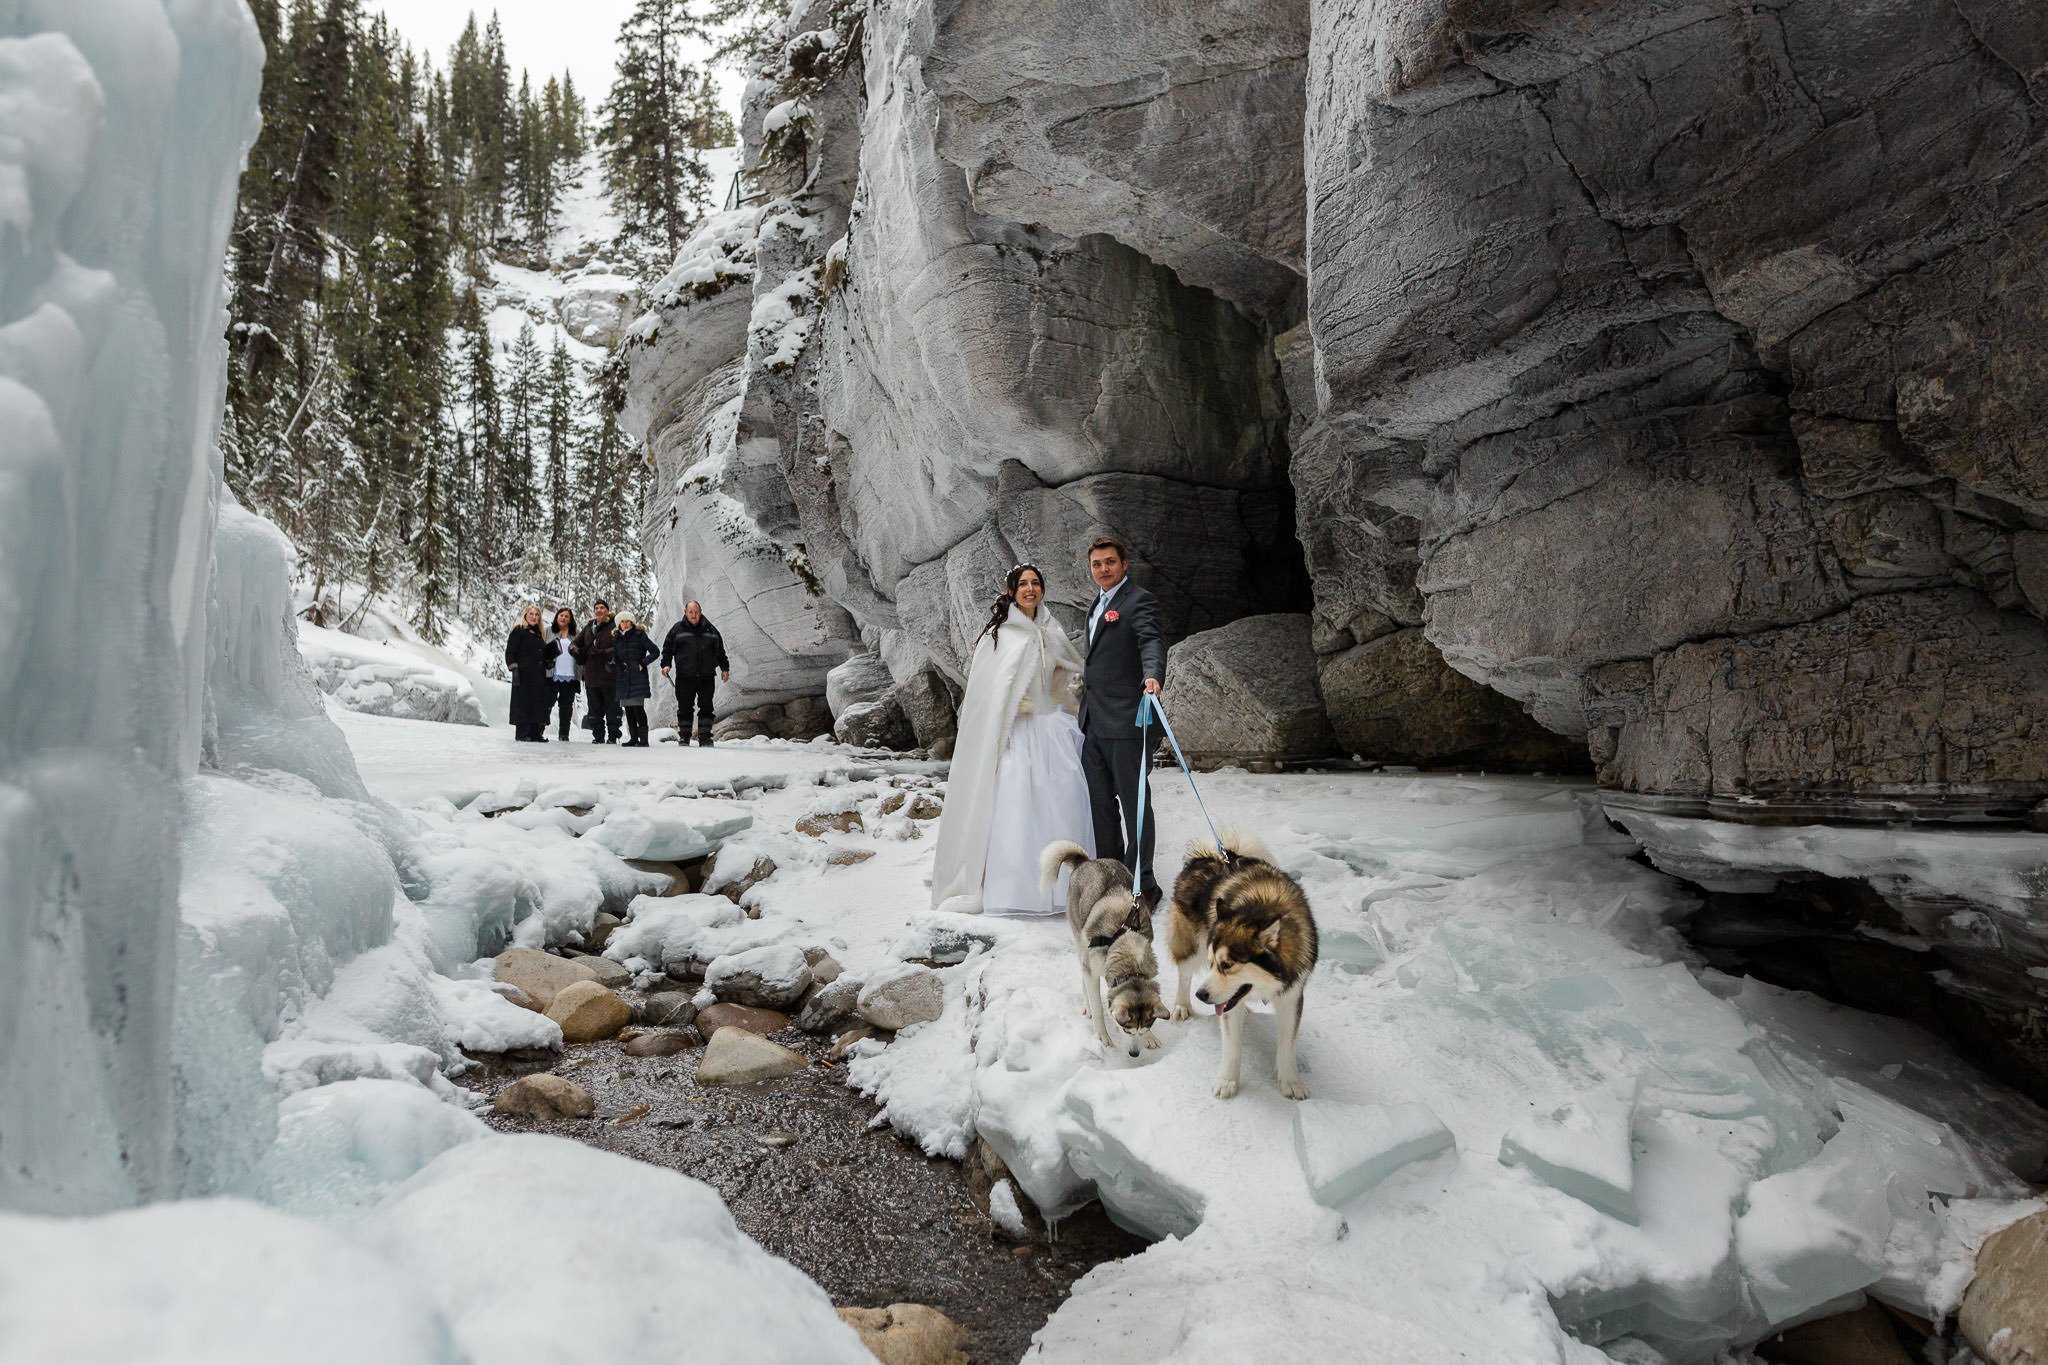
695	651
532	696
564	675
593	649
632	651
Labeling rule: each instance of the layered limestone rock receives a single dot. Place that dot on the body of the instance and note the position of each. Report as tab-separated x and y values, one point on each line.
936	376
1732	480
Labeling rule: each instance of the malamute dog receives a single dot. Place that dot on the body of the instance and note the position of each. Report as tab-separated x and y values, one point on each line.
1112	940
1262	946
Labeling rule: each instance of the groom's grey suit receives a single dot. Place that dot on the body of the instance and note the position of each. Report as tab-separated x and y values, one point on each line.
1120	655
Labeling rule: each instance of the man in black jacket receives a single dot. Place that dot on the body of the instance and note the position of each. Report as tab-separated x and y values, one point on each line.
593	649
695	650
1126	657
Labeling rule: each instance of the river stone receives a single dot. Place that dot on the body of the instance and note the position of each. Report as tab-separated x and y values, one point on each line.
601	930
2004	1315
769	977
1246	693
588	1012
1862	1337
714	1017
520	998
897	997
669	1009
909	1334
540	974
840	821
825	968
607	973
923	806
544	1096
830	1006
762	868
735	1056
664	1044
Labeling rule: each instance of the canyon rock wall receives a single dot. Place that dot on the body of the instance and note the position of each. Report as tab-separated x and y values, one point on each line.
1643	387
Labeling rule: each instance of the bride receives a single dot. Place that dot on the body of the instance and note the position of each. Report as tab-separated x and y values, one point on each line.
1017	783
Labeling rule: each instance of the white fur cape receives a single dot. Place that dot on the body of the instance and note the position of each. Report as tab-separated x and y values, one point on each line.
998	678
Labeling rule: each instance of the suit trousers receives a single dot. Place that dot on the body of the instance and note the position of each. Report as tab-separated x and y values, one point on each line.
1115	768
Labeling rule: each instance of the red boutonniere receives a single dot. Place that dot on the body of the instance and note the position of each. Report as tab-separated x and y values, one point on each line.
1108	617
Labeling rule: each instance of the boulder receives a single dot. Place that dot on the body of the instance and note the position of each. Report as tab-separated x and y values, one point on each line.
714	1017
663	1044
927	703
1246	694
874	725
601	930
1393	699
799	718
768	977
909	1334
588	1012
830	1006
761	869
2004	1315
735	1056
818	823
844	1044
1863	1337
849	857
825	968
540	974
665	1009
607	973
897	997
544	1096
923	806
861	679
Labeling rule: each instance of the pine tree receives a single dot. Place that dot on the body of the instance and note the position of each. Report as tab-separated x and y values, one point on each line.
524	396
558	425
656	178
484	431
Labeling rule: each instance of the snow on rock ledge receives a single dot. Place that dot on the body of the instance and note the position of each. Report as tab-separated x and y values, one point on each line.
381	681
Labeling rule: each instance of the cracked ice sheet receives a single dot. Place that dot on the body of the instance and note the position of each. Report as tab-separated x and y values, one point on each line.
1507	959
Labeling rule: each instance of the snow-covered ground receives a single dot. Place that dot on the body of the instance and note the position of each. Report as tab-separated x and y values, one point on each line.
1632	1153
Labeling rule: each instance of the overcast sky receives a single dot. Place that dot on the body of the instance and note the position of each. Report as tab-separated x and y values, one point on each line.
543	36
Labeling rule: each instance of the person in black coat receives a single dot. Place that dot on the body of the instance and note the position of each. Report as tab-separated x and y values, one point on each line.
695	651
593	649
564	673
632	651
1125	658
526	660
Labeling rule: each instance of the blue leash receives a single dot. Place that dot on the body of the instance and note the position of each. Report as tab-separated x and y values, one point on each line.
1148	708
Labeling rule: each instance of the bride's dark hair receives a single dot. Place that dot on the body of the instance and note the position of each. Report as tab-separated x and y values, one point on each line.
1001	610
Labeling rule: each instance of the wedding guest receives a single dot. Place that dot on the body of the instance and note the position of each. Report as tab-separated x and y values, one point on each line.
525	650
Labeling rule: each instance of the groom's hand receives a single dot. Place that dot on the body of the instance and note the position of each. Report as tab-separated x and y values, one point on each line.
1151	687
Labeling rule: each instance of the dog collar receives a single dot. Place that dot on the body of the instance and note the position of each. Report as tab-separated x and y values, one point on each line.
1104	940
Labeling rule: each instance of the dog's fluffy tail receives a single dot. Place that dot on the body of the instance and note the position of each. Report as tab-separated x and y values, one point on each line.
1236	848
1056	859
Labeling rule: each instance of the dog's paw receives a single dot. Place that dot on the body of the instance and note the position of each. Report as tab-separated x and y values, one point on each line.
1151	1043
1294	1090
1103	1038
1225	1087
1181	1014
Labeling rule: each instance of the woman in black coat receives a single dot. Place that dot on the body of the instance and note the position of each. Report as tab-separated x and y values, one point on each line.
564	673
632	651
532	694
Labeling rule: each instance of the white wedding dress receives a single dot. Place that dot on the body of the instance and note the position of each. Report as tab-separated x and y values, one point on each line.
1016	782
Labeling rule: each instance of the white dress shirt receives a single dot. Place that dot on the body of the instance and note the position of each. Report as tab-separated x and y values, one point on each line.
1101	605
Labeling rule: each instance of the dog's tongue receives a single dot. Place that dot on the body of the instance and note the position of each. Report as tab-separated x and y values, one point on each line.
1220	1007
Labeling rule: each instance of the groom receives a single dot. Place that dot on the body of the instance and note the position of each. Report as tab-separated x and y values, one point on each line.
1126	658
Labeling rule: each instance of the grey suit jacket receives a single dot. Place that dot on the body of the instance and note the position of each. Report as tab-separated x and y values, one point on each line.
1122	655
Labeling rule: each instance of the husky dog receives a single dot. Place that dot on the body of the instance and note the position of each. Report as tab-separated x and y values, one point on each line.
1112	937
1261	939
